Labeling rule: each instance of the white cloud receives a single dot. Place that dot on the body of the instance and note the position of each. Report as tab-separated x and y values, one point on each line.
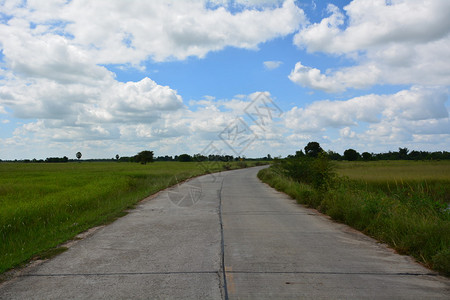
3	110
373	122
272	64
415	104
392	42
52	73
338	81
346	132
374	23
117	32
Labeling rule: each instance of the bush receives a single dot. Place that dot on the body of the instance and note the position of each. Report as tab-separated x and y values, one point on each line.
315	171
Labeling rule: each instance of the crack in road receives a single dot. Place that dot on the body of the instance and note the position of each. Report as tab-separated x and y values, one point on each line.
222	244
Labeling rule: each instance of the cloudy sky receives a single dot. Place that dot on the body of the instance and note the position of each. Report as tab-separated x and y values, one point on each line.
243	77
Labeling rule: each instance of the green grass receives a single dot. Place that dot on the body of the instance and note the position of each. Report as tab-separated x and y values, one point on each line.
395	170
429	177
43	205
401	203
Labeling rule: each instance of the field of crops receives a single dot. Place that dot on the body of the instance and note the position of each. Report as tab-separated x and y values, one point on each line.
395	170
402	203
44	204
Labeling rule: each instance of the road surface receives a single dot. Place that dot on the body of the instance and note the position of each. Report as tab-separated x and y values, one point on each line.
226	236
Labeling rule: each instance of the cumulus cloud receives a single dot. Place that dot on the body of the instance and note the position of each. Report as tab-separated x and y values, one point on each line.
392	42
374	120
374	23
415	104
111	101
53	72
272	64
338	81
117	32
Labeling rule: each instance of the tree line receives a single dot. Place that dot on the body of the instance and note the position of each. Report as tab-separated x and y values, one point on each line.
314	148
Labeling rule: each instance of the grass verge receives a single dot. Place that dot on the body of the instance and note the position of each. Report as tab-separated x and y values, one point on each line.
412	215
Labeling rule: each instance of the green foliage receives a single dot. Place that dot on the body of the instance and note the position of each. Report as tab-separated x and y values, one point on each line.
313	149
410	212
316	171
144	157
351	155
184	158
366	156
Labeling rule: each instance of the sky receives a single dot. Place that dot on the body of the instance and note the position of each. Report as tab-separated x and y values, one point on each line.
243	77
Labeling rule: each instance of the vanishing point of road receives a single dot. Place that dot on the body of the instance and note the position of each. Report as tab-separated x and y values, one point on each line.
226	236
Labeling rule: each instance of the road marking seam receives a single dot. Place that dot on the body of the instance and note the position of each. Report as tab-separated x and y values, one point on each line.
119	274
333	273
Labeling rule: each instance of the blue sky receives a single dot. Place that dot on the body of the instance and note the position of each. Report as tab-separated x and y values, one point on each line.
115	77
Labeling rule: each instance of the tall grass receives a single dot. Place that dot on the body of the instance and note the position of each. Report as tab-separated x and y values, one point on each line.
406	210
43	205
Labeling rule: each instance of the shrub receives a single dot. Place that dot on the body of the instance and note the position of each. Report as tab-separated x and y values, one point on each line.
316	171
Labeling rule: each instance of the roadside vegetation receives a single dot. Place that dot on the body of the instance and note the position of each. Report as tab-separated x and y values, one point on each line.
45	204
402	203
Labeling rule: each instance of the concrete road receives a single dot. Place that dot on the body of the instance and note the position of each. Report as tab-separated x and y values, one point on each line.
226	236
276	249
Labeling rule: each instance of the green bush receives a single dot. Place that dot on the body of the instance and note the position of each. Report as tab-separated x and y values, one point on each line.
317	171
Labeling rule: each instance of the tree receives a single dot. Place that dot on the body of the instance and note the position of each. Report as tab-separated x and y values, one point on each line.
403	153
366	156
184	157
351	154
299	153
334	155
144	157
78	155
313	149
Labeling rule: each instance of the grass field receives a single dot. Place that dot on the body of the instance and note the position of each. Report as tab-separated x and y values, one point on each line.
402	203
395	170
43	205
430	177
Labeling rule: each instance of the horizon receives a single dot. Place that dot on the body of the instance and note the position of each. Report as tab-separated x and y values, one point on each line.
242	78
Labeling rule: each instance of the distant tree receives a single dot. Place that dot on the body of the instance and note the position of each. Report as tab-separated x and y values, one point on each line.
144	157
78	155
313	149
351	155
366	156
403	153
334	155
299	153
117	156
200	157
57	159
228	157
184	157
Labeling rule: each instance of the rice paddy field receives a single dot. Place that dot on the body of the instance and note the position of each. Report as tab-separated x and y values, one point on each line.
45	204
405	204
430	177
401	170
